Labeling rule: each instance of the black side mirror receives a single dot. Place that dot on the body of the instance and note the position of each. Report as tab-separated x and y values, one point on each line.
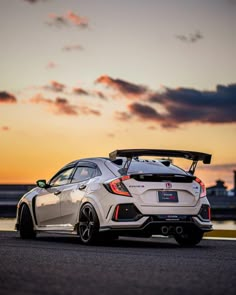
42	183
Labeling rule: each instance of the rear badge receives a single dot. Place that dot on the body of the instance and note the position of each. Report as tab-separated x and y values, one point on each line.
168	185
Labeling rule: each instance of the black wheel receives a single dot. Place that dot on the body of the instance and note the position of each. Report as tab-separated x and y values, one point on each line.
189	238
88	224
26	224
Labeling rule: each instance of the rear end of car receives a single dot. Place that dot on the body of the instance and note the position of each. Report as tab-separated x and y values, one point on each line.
158	198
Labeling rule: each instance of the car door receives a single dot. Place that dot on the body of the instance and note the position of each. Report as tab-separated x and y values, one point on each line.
48	202
71	201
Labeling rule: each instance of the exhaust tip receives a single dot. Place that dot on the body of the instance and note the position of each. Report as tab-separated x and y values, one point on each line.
164	230
179	230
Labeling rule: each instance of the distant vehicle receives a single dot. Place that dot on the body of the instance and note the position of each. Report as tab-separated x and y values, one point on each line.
123	195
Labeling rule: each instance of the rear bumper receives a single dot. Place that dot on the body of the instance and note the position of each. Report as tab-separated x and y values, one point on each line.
153	225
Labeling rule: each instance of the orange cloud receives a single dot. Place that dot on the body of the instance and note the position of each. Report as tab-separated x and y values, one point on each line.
7	98
5	128
88	111
80	91
55	86
122	116
60	106
76	19
127	89
100	94
70	18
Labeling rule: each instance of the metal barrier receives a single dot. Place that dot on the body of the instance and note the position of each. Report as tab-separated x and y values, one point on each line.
10	194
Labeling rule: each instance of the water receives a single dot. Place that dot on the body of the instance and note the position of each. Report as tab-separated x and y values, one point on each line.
8	224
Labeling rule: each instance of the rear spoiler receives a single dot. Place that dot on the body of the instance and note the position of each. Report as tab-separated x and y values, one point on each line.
189	155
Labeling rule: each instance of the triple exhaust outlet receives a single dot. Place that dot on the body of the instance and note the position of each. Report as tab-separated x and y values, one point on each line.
170	230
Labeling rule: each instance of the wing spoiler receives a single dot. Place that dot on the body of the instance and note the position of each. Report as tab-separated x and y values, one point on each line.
189	155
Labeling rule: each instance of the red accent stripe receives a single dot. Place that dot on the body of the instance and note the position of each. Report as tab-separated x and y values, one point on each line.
117	212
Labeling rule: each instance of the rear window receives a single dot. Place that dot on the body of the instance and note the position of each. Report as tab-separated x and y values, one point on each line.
137	167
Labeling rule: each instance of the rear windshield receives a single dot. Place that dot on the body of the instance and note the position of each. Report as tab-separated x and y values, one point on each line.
137	167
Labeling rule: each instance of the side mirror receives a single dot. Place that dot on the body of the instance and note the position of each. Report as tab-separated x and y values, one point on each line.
42	183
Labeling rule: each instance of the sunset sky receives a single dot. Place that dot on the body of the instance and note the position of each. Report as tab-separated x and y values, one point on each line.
81	78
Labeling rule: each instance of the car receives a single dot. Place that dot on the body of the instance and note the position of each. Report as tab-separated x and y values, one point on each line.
133	192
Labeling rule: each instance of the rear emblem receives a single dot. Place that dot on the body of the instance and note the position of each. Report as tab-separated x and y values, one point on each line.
168	185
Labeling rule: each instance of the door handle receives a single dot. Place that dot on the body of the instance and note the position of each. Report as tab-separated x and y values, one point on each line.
83	186
57	193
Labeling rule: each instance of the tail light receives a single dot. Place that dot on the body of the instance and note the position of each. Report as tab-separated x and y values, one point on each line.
117	186
203	187
205	212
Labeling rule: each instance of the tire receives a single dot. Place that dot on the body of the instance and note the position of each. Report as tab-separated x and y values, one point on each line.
26	224
88	228
189	238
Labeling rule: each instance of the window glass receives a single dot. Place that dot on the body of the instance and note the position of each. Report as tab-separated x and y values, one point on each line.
62	178
83	173
152	167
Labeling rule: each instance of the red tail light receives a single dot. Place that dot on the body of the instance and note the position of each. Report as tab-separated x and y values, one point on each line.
117	186
203	187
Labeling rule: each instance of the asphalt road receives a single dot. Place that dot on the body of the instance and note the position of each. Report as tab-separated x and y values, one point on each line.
61	265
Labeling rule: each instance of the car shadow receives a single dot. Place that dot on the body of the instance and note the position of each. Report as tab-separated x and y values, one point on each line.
122	242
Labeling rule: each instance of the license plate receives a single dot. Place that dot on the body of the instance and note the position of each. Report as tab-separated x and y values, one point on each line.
168	196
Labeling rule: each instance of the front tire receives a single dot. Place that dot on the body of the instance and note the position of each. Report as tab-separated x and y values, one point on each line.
26	224
88	229
189	238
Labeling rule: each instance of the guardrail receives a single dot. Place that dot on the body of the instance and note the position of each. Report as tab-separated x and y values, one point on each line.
10	195
223	207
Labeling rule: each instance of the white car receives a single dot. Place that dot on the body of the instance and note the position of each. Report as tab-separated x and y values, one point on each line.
123	195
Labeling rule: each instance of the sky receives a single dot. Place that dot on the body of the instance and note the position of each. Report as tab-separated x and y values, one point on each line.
81	78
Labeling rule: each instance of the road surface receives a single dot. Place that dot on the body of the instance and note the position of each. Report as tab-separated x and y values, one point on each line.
61	265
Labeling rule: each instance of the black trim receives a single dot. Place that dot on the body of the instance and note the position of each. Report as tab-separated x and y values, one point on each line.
189	155
177	178
127	212
152	226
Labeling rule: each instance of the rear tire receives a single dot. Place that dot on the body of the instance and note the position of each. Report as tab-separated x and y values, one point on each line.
189	238
88	228
26	227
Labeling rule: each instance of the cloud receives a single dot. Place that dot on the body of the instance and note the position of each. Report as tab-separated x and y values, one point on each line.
57	20
4	128
144	112
173	107
190	38
51	65
80	91
55	86
76	19
7	98
122	116
89	111
70	18
186	105
61	106
129	90
100	94
73	47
